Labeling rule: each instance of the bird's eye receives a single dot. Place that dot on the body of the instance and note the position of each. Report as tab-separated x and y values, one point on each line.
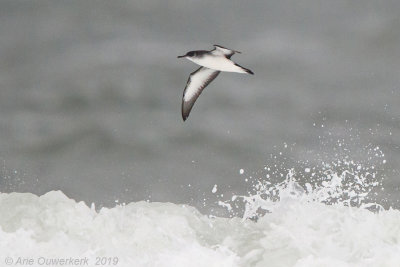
191	54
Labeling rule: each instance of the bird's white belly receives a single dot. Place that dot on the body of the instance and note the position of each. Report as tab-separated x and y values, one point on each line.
217	63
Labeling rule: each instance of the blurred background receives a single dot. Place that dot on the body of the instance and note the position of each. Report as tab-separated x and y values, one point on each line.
90	95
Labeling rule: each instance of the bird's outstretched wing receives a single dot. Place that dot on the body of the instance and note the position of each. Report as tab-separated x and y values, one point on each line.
223	51
197	81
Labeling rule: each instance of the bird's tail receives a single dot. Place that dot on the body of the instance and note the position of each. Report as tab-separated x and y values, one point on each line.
244	69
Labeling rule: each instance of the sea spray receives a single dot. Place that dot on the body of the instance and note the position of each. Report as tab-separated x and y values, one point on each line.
343	181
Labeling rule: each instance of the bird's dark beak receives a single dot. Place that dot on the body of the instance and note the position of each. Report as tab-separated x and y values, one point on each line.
181	56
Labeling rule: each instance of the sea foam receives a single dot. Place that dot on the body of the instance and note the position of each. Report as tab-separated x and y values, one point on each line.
316	215
297	228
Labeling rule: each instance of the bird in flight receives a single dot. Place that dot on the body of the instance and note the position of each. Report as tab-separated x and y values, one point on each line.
212	63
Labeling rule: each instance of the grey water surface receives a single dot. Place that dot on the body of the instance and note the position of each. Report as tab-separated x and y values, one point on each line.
90	95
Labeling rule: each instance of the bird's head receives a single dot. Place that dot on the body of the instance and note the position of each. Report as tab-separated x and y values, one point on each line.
188	55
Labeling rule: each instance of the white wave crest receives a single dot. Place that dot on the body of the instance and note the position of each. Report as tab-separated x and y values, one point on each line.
296	233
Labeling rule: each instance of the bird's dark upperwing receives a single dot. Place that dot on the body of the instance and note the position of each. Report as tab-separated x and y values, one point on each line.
197	81
223	51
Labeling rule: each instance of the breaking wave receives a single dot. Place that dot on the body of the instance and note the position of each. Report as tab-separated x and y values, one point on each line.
330	220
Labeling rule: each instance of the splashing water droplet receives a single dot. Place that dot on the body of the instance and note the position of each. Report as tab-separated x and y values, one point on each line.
215	189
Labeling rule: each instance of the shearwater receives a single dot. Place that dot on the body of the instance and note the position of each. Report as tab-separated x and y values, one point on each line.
212	63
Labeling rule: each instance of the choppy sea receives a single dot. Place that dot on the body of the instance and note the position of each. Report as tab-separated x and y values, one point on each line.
297	165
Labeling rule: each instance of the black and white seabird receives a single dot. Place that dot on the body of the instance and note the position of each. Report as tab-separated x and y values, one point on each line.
212	63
